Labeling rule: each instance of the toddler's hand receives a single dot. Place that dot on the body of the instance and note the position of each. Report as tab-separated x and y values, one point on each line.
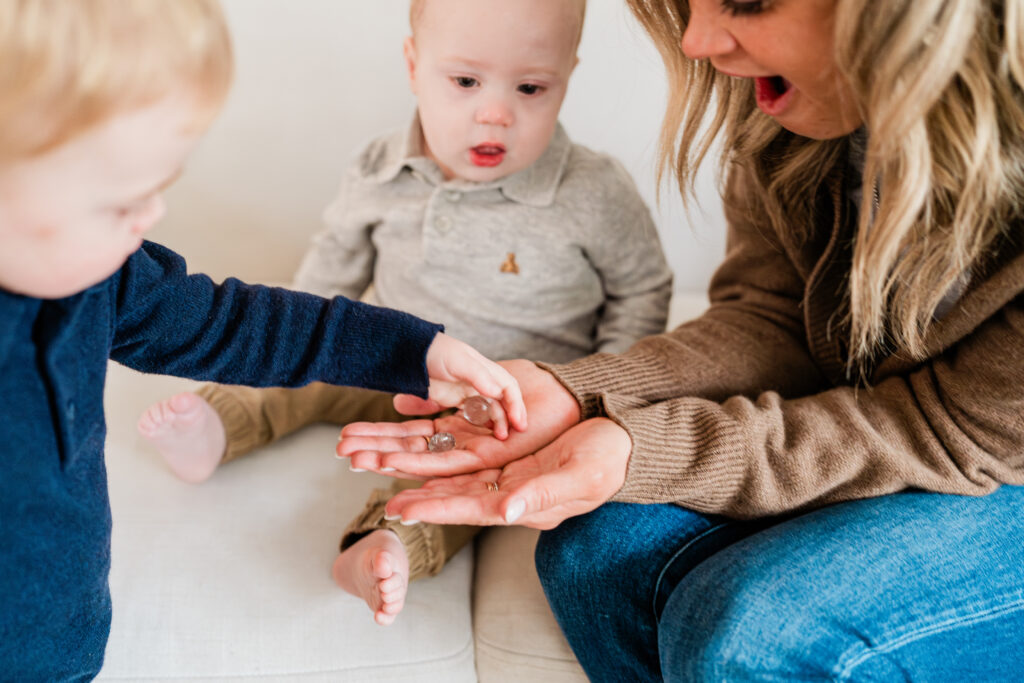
458	371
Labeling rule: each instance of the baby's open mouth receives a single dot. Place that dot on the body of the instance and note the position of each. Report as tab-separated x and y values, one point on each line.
772	93
487	154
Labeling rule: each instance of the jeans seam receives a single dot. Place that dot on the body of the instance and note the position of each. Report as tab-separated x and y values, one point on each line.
671	560
919	633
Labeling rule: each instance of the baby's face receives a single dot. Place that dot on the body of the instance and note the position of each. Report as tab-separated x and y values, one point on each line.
490	77
72	216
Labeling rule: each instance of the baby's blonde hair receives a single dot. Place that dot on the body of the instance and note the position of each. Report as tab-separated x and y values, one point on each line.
416	10
68	65
939	85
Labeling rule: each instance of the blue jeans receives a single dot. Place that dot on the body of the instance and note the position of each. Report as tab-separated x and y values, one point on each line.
907	587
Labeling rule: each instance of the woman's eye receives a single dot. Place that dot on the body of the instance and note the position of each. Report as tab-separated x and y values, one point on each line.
530	88
738	7
465	82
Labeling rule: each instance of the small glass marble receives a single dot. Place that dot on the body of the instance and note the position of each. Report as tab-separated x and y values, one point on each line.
442	441
476	410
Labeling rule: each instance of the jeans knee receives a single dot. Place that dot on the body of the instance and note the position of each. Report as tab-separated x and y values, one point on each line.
742	631
562	559
583	561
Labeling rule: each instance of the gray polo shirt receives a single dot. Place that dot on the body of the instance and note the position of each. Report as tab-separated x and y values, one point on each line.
551	263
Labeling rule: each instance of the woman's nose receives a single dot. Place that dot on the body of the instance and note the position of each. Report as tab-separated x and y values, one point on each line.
706	33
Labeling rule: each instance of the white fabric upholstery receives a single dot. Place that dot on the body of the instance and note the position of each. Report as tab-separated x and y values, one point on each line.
228	580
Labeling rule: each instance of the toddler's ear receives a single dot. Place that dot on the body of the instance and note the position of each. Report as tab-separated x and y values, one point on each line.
409	50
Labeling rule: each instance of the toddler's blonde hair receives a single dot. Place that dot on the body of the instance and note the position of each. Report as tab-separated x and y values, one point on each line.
68	65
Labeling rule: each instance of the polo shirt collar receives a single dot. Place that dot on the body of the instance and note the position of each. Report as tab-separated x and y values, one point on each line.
535	185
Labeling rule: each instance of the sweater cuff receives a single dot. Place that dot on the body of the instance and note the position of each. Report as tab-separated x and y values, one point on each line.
392	346
590	377
682	453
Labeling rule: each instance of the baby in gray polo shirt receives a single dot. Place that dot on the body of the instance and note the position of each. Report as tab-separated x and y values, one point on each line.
481	215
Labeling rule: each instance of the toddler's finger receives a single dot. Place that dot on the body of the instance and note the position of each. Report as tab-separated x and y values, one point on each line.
499	420
513	405
408	404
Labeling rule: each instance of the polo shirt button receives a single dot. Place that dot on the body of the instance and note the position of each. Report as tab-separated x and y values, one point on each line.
453	195
443	223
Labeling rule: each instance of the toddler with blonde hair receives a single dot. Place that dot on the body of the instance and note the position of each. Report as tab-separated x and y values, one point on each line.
101	102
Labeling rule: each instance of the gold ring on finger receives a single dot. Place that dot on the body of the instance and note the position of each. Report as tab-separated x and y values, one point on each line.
492	487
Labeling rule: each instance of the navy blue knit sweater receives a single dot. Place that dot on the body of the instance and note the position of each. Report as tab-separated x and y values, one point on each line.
151	316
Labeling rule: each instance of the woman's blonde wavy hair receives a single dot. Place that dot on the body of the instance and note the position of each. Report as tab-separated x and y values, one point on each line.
68	65
938	83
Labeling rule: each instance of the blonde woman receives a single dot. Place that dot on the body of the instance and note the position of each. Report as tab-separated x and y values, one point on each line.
796	446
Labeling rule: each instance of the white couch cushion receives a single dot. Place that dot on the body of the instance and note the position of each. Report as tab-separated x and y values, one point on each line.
230	579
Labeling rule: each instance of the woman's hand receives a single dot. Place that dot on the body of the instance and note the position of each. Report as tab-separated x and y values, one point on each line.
579	471
400	449
458	371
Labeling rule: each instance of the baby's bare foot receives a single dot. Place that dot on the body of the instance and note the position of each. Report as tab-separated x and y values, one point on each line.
376	569
188	433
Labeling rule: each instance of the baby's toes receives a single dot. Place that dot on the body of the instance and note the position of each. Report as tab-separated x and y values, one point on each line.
383	618
383	565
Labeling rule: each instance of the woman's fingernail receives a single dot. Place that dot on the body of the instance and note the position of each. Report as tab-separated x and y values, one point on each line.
515	511
387	469
409	522
391	518
355	469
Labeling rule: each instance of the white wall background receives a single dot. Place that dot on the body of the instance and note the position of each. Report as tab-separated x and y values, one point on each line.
317	79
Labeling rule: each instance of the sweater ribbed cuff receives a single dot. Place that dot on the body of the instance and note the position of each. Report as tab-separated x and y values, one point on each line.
682	453
602	373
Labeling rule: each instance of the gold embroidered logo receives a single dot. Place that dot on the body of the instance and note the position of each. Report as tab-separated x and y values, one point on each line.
510	266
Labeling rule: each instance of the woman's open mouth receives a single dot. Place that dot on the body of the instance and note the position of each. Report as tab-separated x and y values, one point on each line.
773	94
488	154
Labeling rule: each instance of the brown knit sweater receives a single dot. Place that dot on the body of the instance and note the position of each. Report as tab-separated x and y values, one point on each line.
747	411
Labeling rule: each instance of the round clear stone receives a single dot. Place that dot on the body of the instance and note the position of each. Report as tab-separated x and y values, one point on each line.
477	410
442	441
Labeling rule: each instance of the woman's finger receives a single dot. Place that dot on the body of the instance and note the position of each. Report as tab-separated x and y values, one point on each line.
408	404
393	429
443	464
415	443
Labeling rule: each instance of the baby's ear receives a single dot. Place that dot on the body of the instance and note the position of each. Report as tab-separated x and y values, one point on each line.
409	51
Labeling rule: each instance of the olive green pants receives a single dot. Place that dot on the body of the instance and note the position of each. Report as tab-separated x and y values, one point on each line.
256	417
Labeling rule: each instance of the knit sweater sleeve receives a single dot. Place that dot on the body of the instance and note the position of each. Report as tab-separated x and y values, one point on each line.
168	321
751	338
954	424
